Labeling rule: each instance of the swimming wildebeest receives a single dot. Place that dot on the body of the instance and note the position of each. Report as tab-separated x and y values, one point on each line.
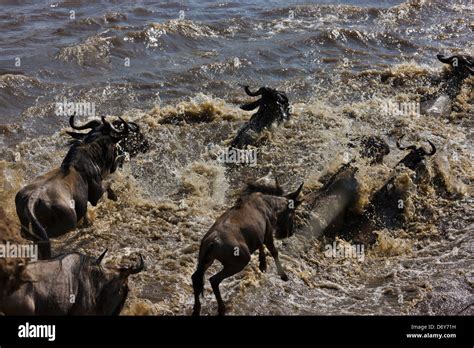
132	143
272	106
70	284
416	154
54	202
261	213
462	65
331	205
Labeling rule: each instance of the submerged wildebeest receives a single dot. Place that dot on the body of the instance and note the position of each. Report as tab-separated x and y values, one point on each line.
416	154
387	205
331	206
261	213
70	284
54	202
450	82
272	106
462	65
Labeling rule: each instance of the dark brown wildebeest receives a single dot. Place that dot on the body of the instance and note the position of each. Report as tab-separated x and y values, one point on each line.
462	65
131	143
261	213
70	284
272	106
416	154
54	202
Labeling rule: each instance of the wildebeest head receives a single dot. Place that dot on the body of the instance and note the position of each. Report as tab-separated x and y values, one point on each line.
127	134
112	284
416	154
286	217
462	65
273	102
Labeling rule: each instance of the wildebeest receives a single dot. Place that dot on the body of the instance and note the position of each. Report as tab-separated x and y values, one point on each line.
272	106
462	65
70	284
261	213
416	154
450	83
331	205
131	143
54	202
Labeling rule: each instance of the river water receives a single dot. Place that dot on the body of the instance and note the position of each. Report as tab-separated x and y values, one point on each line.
176	67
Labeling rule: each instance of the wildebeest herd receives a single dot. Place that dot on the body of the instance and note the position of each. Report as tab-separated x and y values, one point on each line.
55	202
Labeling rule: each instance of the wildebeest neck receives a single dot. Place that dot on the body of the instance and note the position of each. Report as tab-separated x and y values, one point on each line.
91	159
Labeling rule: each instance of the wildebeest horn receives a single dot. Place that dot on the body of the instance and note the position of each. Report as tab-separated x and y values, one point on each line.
110	125
101	257
88	125
295	194
125	125
76	135
411	147
444	59
253	94
433	149
141	266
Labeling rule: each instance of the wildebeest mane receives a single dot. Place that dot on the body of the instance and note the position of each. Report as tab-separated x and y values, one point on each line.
71	154
264	188
81	153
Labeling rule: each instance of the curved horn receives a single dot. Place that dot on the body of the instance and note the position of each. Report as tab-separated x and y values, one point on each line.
433	149
88	125
76	135
295	194
110	125
411	147
252	94
141	266
101	257
444	59
126	128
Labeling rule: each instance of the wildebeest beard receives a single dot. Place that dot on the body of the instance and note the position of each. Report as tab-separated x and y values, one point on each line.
273	106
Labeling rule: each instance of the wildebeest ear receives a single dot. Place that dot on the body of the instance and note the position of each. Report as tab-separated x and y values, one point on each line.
100	258
251	106
293	196
76	135
444	59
